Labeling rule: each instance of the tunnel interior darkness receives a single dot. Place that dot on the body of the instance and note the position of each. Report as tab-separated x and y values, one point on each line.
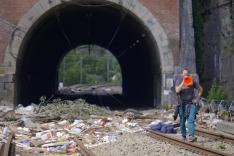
73	24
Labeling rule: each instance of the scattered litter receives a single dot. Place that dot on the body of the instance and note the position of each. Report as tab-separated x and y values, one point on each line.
29	110
27	121
75	131
54	128
125	121
5	132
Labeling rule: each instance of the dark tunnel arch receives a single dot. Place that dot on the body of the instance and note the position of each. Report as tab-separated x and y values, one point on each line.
69	25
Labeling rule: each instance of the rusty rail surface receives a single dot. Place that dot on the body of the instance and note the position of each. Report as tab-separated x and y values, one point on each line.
8	148
187	145
84	151
214	135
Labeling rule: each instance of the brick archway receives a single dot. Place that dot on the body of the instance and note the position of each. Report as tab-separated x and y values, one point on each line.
44	6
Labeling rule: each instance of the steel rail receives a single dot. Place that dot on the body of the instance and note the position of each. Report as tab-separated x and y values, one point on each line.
214	135
185	144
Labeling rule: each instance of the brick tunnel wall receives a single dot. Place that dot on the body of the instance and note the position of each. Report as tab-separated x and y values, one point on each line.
12	11
166	12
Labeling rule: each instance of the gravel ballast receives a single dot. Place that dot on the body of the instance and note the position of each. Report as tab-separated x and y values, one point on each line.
139	145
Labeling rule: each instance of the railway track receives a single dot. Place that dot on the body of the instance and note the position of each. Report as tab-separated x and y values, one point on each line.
8	148
215	136
187	145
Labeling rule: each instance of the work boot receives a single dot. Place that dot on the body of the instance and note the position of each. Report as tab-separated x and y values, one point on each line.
175	117
192	139
183	138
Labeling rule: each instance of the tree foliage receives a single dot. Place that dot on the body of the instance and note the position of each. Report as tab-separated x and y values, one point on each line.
217	92
89	65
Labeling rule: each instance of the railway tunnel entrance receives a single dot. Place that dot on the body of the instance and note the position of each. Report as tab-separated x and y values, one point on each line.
106	24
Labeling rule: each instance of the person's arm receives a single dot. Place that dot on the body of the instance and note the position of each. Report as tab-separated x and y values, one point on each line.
179	87
200	90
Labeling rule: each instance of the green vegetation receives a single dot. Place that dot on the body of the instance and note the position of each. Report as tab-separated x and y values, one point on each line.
217	92
89	64
221	146
66	109
166	106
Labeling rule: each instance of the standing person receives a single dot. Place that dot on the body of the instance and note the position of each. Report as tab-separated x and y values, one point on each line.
185	88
